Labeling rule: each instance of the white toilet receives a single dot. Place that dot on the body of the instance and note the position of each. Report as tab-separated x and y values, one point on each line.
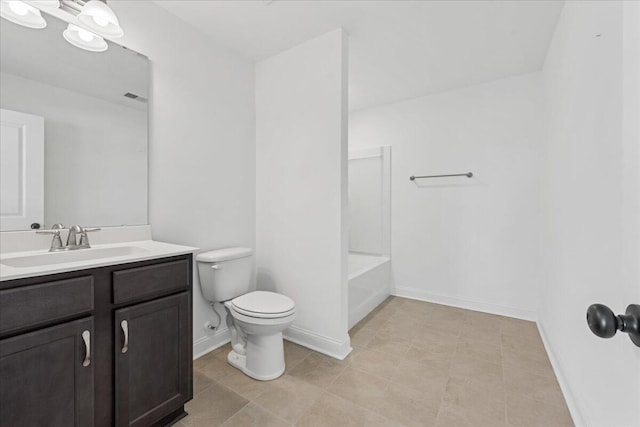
256	319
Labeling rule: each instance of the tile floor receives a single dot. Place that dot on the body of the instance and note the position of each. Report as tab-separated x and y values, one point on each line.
413	364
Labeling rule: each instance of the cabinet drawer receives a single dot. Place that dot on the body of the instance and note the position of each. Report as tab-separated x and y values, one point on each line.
32	305
150	281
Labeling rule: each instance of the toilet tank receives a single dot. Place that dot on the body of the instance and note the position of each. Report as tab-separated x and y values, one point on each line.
225	273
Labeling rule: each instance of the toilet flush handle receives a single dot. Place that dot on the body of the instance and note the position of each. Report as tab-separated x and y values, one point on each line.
216	267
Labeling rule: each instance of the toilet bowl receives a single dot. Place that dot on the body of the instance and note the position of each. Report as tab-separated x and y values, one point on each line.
256	319
261	327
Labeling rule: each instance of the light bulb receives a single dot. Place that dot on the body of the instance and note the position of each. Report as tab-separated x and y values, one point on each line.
101	20
85	35
19	8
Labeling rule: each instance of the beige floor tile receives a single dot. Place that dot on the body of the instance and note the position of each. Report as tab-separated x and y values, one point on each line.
465	405
440	323
408	407
433	341
531	345
479	320
429	379
359	387
253	415
522	412
333	411
245	386
477	373
360	337
518	327
527	362
215	368
402	326
376	363
481	326
294	353
318	369
204	359
525	385
289	398
388	342
479	348
213	406
200	382
373	320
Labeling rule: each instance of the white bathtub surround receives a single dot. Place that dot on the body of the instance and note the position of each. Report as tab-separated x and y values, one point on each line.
369	284
592	196
370	200
472	243
301	162
202	142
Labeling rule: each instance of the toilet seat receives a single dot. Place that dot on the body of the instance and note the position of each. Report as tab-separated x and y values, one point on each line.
263	305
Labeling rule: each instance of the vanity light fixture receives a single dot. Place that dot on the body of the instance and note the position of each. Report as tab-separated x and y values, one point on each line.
100	19
46	4
79	37
22	13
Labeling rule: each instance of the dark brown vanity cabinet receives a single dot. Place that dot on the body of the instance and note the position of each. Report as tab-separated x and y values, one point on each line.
152	370
110	346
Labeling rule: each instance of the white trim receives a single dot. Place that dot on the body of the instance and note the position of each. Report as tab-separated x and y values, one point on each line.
578	420
209	343
320	343
466	303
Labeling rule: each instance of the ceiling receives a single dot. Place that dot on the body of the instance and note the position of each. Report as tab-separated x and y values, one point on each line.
397	49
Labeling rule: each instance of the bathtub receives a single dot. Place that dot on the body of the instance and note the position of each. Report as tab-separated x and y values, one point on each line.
369	284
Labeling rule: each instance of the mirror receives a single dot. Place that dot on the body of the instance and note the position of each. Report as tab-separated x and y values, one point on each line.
74	131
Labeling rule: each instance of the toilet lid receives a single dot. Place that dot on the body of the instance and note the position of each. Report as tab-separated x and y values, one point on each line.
261	303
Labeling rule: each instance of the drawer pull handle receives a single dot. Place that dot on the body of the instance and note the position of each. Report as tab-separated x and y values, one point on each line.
86	336
125	330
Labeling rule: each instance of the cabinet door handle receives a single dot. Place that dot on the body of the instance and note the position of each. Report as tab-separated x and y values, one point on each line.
125	330
86	336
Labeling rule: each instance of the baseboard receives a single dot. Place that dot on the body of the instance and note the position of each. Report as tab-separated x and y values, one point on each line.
320	343
210	342
575	412
466	303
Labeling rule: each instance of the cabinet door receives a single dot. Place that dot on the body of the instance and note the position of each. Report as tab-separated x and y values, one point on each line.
47	377
153	360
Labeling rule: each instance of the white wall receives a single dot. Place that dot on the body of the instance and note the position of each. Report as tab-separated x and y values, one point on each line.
591	223
202	141
301	158
95	154
466	242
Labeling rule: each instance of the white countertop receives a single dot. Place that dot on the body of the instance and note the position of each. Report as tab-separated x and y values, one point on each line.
149	249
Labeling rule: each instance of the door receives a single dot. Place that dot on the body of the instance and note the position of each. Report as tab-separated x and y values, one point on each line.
47	377
153	360
21	171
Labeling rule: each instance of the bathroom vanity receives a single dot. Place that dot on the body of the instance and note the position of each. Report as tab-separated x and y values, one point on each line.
107	343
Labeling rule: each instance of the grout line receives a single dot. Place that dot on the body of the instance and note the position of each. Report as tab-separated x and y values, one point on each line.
504	380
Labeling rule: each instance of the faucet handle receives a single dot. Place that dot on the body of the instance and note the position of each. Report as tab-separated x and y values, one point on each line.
57	226
56	242
84	239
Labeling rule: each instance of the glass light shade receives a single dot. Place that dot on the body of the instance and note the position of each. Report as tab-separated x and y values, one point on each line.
21	13
99	18
46	4
79	37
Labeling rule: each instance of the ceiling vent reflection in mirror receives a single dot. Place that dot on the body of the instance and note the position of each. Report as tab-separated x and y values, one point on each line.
89	21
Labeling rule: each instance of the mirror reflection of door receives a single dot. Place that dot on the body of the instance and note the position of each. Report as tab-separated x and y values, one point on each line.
21	170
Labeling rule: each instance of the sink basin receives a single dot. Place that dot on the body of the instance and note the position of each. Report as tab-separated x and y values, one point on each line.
52	258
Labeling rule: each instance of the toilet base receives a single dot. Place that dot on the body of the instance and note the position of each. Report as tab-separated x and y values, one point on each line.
269	364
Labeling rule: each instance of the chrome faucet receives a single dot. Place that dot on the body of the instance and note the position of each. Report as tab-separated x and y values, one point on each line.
72	237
